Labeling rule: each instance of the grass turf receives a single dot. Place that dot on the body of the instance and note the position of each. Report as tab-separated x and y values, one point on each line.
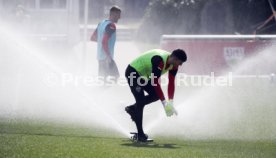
38	139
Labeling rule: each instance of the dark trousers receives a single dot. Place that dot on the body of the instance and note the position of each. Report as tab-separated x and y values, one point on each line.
139	95
106	69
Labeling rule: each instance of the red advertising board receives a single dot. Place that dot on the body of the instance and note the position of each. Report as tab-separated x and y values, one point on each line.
215	53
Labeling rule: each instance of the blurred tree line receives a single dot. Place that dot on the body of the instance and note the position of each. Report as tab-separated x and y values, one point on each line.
205	17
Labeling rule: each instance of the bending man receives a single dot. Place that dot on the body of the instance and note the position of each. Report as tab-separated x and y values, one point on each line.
143	74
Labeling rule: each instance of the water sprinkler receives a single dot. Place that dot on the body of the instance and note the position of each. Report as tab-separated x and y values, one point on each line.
272	78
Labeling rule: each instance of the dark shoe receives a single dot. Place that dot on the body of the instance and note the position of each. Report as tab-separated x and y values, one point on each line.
131	111
143	137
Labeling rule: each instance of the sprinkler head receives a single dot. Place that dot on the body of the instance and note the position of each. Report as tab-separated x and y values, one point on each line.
272	78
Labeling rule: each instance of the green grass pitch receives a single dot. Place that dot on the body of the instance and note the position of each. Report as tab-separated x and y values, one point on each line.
47	140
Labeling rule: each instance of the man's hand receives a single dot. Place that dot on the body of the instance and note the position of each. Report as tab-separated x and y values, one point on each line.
168	107
170	102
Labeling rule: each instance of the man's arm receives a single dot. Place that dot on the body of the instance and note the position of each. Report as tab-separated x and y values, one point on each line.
109	30
171	86
157	66
94	36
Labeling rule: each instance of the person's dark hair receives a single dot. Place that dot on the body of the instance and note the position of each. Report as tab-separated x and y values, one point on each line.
114	9
179	54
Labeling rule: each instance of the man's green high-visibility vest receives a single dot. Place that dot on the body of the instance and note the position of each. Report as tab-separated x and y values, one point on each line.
143	64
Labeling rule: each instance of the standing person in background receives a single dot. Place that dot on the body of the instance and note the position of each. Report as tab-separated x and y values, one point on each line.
105	36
